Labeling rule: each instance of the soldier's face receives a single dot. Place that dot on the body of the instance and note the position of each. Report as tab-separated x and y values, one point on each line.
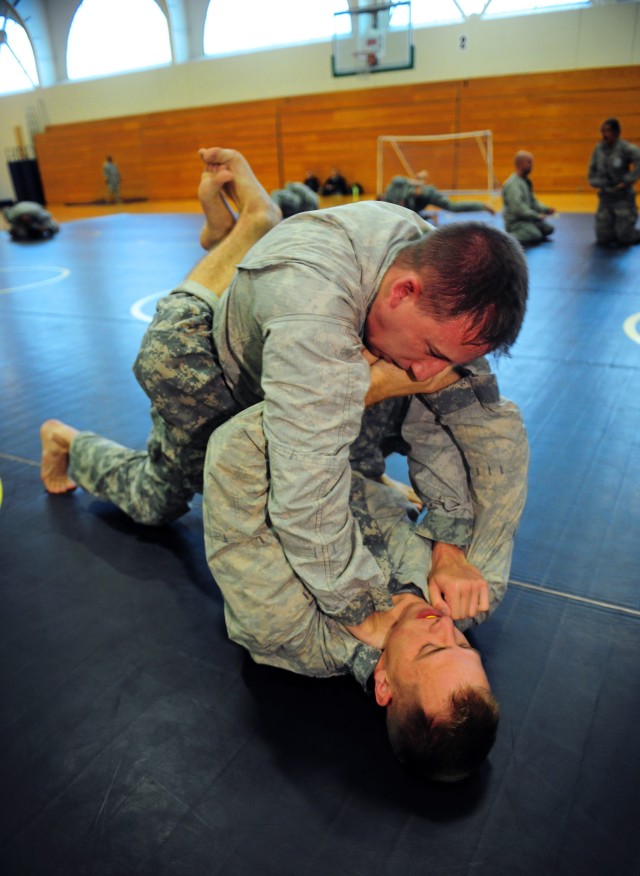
609	136
526	164
425	651
400	332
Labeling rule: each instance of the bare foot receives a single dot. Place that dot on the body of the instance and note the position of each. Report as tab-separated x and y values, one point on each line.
244	188
56	440
219	217
257	215
404	489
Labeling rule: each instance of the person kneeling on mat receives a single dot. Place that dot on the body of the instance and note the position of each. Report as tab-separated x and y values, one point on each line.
30	221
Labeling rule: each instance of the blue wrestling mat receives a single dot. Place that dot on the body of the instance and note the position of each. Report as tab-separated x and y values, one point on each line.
136	739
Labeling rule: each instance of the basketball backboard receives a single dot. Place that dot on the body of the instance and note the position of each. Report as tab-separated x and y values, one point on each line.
371	39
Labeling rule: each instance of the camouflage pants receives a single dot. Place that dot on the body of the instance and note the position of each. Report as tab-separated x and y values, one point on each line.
178	369
616	220
531	232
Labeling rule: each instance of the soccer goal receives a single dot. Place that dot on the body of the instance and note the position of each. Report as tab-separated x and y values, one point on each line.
458	164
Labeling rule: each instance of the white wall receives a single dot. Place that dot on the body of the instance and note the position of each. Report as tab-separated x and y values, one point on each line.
600	36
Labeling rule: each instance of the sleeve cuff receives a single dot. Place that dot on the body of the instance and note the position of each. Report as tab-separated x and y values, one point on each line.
470	389
450	530
362	606
199	291
363	663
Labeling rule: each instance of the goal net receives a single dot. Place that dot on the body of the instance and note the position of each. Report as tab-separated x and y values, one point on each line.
458	164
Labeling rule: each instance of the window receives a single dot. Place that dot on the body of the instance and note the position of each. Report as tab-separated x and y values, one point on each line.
428	12
523	7
243	25
114	36
17	62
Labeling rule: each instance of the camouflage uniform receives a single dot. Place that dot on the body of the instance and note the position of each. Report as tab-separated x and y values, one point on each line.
522	211
178	367
288	330
402	191
271	613
295	198
28	220
112	178
617	212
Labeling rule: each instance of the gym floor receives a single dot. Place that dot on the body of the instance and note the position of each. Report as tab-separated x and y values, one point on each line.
136	739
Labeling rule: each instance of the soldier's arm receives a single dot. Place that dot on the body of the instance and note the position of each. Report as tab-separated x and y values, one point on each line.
389	381
632	176
436	198
491	447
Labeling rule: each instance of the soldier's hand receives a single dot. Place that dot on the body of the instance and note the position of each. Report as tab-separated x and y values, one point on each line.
456	587
368	357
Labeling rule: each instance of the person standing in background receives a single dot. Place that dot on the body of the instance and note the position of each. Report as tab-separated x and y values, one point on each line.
112	179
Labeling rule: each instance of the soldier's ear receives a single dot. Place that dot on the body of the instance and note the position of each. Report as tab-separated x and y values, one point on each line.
407	285
382	688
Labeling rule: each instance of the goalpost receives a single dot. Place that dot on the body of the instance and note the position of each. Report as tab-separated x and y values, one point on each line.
458	164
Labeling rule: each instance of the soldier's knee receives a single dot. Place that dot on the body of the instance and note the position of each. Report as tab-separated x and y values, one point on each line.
531	234
626	232
605	232
629	238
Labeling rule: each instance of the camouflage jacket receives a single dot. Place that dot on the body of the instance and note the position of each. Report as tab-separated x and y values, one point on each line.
610	166
289	330
271	613
520	204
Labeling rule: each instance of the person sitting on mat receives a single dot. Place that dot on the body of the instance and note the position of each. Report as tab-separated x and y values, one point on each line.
335	184
524	216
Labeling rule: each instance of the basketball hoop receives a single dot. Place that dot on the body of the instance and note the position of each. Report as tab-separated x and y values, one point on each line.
365	61
373	38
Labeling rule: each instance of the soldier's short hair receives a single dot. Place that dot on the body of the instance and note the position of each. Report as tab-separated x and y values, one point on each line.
475	270
446	750
520	154
614	124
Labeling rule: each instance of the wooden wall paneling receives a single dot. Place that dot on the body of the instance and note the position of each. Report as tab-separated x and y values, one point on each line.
70	158
342	129
383	96
555	115
171	140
